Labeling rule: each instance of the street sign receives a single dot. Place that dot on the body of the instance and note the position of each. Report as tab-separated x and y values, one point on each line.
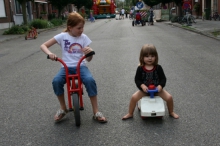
140	5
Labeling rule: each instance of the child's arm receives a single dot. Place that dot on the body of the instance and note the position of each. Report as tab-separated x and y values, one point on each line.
144	87
44	47
138	80
162	78
159	88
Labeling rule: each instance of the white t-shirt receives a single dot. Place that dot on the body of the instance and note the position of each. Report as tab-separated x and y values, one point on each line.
72	47
122	11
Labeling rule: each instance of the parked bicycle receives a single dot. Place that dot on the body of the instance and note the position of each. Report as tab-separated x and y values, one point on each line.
186	19
215	16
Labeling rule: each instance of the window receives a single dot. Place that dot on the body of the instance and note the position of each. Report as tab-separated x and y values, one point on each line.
2	8
18	7
215	4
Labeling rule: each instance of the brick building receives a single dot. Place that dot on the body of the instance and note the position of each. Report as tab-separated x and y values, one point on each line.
11	11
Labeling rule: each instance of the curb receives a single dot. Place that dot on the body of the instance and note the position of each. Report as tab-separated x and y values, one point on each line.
194	30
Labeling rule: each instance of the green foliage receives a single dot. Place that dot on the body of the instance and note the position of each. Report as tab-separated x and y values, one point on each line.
17	29
56	22
39	23
86	3
216	33
84	15
152	2
174	19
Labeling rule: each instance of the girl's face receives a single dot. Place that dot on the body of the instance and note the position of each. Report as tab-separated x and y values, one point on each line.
149	59
76	30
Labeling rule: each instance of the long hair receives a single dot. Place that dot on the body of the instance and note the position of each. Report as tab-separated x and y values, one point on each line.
148	49
73	20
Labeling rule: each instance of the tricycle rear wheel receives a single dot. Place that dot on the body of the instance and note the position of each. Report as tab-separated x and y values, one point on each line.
75	100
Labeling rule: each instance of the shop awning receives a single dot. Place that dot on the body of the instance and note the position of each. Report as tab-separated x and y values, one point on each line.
40	2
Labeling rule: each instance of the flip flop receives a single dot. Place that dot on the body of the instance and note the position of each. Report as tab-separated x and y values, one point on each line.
97	117
59	115
127	118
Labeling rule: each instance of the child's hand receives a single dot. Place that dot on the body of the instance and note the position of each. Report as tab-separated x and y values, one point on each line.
52	56
144	88
86	50
159	88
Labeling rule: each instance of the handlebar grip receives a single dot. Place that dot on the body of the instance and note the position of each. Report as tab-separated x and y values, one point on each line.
90	54
48	57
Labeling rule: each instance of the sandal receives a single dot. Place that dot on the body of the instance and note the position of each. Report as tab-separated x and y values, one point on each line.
98	117
59	115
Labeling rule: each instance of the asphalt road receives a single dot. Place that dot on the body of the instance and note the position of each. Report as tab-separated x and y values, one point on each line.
190	62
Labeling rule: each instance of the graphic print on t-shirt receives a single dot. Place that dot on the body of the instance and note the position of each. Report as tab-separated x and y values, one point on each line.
150	78
73	48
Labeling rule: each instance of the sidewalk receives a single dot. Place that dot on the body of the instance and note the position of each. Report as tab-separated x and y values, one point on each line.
205	27
201	27
4	38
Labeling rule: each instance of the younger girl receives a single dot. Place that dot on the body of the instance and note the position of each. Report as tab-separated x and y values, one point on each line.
74	44
149	72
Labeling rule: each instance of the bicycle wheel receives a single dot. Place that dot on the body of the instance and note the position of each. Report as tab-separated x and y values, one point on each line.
193	19
75	100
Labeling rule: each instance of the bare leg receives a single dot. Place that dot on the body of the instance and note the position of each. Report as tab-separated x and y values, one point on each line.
62	106
62	102
134	99
169	100
94	103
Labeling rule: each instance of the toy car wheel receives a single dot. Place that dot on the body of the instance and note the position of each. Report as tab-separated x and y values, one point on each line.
132	23
35	37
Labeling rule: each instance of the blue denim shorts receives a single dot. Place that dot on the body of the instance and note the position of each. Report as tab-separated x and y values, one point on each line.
86	77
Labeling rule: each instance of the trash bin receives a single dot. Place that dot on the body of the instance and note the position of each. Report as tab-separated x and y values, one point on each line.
207	13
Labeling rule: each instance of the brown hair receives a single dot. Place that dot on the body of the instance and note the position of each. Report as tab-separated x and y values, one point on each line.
148	49
73	20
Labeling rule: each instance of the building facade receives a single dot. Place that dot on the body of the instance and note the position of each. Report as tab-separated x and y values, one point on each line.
11	12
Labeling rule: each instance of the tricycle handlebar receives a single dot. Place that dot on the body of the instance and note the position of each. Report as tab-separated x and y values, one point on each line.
87	55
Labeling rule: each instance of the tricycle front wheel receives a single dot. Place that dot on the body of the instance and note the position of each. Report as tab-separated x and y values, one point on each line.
75	100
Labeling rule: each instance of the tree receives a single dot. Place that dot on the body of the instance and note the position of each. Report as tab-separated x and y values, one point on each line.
85	3
179	4
152	3
24	12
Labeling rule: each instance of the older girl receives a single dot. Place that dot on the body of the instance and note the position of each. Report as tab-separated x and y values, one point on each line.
74	44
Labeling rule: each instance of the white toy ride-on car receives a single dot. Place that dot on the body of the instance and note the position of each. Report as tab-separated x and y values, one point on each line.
151	106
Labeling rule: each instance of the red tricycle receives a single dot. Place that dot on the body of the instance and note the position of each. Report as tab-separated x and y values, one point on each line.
74	88
31	33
